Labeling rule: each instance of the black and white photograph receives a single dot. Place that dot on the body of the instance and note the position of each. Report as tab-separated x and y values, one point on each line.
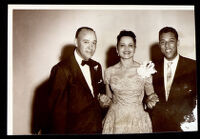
101	69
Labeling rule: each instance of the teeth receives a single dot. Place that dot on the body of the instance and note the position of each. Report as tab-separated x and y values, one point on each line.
168	50
126	52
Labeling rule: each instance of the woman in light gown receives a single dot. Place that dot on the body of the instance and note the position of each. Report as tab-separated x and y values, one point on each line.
126	82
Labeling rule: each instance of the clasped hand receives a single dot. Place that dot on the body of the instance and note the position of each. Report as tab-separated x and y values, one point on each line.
152	100
104	100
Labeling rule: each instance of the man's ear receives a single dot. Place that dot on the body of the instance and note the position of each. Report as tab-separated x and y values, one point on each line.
76	42
178	43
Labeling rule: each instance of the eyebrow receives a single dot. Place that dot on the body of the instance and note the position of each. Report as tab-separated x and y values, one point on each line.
169	38
125	43
88	40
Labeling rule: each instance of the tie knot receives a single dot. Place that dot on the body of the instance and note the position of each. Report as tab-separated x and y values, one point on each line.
169	64
88	62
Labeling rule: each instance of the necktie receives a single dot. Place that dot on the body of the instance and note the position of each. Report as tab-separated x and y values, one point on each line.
169	79
88	62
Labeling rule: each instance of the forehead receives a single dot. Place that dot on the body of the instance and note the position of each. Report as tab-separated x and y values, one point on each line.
167	35
85	32
126	38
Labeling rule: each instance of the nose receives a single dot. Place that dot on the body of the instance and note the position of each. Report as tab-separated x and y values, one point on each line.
91	45
166	44
126	48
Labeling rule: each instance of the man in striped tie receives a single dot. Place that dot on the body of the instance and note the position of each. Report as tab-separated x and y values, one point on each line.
175	85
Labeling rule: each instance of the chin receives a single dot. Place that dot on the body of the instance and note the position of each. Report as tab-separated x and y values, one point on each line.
169	57
87	58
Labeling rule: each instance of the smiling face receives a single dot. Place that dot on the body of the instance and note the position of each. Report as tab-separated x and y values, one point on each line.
168	45
126	47
86	43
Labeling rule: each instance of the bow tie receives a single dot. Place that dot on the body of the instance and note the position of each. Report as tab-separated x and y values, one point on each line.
86	62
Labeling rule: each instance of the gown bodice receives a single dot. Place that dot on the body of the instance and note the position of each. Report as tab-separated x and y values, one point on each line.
126	113
128	86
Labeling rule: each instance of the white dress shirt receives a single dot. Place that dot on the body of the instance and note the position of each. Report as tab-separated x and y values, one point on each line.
85	70
173	69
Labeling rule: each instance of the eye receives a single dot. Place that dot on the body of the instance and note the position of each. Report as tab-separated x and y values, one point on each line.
121	45
172	41
162	42
85	41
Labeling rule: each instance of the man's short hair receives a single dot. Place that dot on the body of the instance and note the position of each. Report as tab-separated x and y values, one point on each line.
79	30
168	29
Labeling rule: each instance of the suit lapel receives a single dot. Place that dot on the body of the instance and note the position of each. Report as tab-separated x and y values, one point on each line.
162	80
177	74
78	75
94	73
179	69
95	79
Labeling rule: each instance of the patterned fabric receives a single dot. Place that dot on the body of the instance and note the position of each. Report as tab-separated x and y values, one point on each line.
169	79
126	114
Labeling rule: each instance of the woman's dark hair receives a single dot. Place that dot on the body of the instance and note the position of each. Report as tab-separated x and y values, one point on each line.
126	33
168	29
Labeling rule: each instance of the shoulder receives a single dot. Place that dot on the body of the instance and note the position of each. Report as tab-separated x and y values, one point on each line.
187	63
62	64
136	64
187	60
65	64
57	69
112	68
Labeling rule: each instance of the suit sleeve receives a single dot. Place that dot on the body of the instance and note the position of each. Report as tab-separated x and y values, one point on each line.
195	80
189	91
57	101
194	87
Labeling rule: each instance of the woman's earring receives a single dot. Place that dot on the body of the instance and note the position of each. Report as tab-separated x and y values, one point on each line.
117	53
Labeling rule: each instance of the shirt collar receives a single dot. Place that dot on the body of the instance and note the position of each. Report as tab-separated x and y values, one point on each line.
175	60
77	57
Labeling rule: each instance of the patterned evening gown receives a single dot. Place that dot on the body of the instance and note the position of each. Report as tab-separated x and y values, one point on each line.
126	113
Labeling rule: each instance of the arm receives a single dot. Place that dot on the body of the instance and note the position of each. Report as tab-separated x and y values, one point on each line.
108	91
57	100
152	97
107	82
105	100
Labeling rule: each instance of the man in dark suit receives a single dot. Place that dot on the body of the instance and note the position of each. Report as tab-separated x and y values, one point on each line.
174	83
74	87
